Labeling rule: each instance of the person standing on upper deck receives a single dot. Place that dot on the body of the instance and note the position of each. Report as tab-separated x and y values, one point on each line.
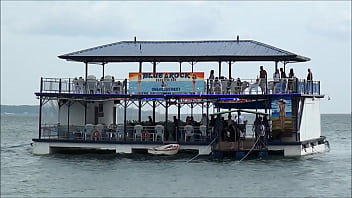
211	81
291	80
310	75
282	73
309	88
283	80
263	76
276	77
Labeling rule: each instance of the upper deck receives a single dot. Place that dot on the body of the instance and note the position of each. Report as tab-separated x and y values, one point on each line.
219	51
213	89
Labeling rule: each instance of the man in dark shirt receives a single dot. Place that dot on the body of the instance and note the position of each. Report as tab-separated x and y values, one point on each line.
310	75
309	88
282	73
262	76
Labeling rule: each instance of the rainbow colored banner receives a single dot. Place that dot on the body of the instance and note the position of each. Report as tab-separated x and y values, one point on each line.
166	82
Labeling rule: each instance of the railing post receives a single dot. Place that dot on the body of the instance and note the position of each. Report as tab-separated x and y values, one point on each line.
125	82
207	86
69	85
60	85
266	84
304	86
40	109
40	116
41	84
312	83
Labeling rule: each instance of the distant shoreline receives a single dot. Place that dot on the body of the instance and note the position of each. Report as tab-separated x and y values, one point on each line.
19	109
34	109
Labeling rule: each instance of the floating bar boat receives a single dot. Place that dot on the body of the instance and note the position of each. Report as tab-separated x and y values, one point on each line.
108	113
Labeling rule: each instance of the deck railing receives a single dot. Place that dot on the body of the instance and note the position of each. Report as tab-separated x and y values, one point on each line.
120	133
222	86
129	134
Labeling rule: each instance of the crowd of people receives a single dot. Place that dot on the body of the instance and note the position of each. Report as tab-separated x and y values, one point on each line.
234	130
281	83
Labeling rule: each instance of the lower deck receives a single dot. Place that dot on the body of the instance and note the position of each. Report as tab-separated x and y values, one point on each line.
239	149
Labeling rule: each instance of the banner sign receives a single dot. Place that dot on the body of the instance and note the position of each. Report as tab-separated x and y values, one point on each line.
166	82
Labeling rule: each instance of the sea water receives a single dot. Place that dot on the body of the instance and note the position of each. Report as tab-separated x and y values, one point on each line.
112	175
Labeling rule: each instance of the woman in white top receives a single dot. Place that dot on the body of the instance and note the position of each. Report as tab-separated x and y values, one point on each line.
276	77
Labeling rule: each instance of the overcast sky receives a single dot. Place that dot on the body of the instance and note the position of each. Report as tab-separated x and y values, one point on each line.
33	34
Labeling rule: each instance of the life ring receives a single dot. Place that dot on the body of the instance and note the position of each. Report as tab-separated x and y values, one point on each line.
145	134
96	134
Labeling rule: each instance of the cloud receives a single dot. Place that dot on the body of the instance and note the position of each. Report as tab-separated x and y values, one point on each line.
70	19
331	25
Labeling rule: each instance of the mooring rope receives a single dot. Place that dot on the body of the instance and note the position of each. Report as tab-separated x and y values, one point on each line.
249	151
199	152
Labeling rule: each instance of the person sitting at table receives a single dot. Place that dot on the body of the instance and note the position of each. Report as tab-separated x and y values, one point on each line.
204	120
238	86
217	86
150	121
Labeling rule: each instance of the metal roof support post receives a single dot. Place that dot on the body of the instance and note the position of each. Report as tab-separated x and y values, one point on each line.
192	108
192	63
68	118
276	62
166	117
86	70
86	75
207	124
154	67
140	67
230	69
139	110
103	64
139	100
40	112
178	119
180	66
219	69
85	112
124	119
154	105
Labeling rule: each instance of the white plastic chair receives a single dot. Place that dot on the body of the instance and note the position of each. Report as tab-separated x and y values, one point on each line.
188	131
91	84
88	129
117	87
217	87
107	84
138	131
159	132
203	130
120	131
254	86
80	86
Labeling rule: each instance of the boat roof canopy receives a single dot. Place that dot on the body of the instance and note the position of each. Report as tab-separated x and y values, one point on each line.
183	51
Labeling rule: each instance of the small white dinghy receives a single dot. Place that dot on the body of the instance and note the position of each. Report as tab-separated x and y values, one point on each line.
169	149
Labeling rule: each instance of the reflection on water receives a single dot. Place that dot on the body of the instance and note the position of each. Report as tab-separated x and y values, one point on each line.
117	175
